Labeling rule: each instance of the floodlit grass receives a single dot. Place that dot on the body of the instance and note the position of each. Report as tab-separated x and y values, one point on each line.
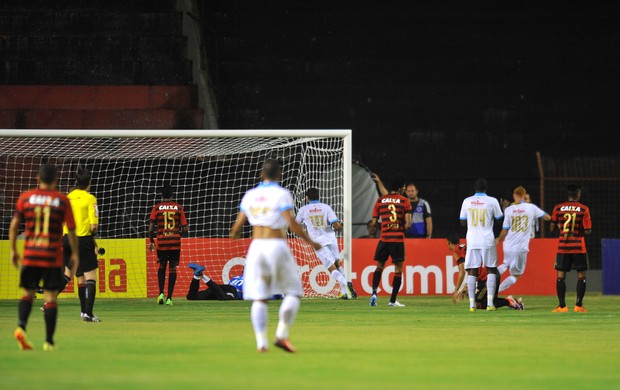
431	343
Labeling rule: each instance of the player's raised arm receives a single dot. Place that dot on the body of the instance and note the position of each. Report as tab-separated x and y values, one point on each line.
235	231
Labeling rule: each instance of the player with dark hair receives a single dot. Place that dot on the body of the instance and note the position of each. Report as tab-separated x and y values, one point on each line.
86	213
573	221
394	210
270	267
44	211
459	251
477	213
321	224
169	217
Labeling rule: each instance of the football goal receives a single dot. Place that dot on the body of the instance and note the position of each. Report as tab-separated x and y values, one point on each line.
209	171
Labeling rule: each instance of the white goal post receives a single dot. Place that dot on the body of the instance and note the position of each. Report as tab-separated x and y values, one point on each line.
209	170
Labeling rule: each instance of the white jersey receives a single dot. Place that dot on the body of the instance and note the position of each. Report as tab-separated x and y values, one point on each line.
520	220
318	218
479	211
264	205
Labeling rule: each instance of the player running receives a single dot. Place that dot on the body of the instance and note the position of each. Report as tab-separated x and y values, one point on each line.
270	267
519	223
43	210
321	223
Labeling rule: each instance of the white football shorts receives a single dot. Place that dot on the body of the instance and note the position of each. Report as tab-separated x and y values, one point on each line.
328	255
476	258
516	262
270	268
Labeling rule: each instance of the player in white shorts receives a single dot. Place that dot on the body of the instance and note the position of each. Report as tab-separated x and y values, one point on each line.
321	223
477	213
519	221
270	266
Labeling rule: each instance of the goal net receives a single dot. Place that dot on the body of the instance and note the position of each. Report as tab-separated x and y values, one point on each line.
209	172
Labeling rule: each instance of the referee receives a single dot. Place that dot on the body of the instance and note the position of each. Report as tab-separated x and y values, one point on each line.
86	214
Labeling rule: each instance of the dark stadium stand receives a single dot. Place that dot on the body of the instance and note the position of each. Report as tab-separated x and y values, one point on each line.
96	64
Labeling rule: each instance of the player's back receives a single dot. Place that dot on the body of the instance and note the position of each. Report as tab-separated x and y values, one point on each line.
264	205
520	219
573	219
169	217
479	211
318	218
392	208
44	214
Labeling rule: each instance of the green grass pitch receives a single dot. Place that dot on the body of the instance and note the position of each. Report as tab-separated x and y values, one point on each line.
430	344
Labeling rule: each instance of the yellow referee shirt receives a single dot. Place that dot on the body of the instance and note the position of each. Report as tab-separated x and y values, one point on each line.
85	211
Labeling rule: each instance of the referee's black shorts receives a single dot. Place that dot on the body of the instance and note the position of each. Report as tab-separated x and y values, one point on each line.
86	252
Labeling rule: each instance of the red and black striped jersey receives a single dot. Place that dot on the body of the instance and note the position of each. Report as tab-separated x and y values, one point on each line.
169	217
392	208
44	213
458	253
572	220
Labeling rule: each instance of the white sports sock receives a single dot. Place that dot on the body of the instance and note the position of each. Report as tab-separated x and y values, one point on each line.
502	268
491	284
288	312
205	278
196	277
340	279
259	322
471	290
509	281
341	270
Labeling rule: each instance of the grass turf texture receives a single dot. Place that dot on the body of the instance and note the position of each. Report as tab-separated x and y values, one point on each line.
431	343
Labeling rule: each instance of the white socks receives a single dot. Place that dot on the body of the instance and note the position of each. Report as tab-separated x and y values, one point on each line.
341	270
259	322
205	278
502	268
471	290
288	312
509	281
340	279
491	284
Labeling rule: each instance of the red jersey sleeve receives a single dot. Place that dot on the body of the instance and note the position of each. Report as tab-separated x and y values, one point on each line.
587	220
183	220
153	216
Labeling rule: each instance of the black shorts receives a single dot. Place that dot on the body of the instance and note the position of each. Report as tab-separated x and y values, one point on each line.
86	252
395	250
31	276
577	261
172	257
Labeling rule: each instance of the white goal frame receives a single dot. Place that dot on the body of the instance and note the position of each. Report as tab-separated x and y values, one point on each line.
345	134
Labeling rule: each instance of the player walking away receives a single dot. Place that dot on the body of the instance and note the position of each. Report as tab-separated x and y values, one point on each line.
270	266
459	250
43	210
395	213
321	224
477	213
86	213
573	221
519	223
169	217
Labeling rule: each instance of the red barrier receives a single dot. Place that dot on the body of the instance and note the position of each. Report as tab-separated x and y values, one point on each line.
430	270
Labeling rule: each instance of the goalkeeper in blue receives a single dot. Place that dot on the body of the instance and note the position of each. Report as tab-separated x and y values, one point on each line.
321	224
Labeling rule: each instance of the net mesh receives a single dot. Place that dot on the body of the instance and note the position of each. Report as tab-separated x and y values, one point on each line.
209	175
